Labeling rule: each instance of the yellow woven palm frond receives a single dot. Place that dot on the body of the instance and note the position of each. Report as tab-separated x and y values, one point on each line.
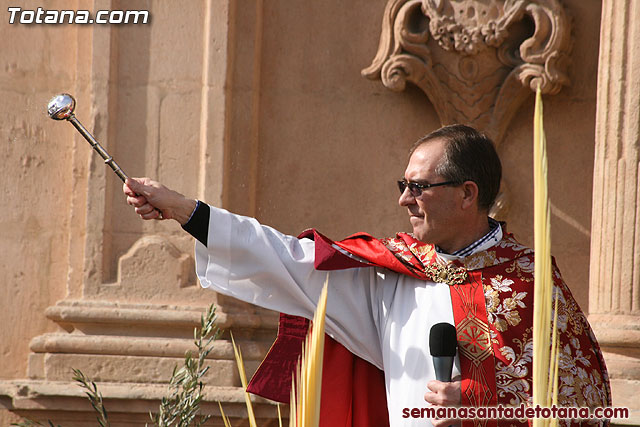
302	387
554	359
225	419
313	374
545	358
306	393
243	379
293	407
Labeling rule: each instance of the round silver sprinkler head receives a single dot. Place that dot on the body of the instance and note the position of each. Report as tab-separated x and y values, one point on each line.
61	106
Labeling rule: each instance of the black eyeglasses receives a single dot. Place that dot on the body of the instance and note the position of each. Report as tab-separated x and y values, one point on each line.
416	189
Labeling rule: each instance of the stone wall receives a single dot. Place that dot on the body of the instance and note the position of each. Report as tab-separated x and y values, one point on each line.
256	106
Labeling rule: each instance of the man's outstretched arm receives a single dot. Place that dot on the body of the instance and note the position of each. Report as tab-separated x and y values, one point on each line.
257	264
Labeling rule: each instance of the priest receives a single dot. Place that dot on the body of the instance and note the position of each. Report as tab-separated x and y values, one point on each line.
458	266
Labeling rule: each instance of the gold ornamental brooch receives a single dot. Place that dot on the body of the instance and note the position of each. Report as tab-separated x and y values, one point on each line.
448	274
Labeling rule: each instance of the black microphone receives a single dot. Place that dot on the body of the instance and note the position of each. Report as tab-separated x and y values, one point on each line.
443	342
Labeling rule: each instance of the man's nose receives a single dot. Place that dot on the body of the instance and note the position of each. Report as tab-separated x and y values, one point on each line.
406	198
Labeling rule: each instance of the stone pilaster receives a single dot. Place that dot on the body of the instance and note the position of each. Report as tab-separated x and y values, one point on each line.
614	298
131	300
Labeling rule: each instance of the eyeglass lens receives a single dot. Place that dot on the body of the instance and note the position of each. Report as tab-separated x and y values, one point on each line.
413	188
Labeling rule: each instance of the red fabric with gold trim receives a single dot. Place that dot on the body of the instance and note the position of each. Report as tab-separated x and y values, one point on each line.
478	386
353	390
493	312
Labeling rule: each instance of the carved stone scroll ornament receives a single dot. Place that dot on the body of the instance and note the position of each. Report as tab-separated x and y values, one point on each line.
476	60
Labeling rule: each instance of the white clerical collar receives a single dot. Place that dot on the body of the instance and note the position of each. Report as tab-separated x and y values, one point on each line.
485	242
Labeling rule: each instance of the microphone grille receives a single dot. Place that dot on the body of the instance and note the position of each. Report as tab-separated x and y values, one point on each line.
443	340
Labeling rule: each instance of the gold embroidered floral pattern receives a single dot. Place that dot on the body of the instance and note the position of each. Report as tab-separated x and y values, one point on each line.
506	276
512	377
580	380
512	244
399	248
425	253
423	257
522	268
580	384
480	259
493	257
501	311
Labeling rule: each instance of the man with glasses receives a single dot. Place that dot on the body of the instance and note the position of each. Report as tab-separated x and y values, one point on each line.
458	266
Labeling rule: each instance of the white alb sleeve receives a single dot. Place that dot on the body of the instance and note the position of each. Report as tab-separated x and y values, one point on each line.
260	265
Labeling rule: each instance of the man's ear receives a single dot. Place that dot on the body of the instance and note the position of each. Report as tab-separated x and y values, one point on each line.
469	194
